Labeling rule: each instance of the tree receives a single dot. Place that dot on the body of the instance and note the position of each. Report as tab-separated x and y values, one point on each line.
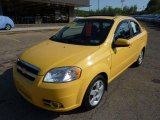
153	6
109	10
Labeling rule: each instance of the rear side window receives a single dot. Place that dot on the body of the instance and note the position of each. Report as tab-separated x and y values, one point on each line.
135	28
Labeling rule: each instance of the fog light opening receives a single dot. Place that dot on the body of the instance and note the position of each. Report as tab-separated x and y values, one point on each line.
55	104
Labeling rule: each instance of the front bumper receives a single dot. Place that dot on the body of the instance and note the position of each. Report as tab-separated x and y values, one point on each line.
51	96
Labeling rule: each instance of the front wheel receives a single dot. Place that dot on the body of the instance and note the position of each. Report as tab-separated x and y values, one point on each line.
140	59
94	93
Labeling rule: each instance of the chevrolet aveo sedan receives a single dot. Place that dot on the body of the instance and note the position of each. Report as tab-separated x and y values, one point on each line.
74	67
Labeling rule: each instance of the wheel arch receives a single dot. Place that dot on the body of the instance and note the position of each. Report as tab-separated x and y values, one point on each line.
106	78
103	70
8	25
144	49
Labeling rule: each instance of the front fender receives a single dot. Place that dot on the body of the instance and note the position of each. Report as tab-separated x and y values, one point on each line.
93	71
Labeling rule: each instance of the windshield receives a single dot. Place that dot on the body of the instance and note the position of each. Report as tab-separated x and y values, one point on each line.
84	32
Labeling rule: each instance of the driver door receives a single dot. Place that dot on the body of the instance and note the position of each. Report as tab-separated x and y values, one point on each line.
120	55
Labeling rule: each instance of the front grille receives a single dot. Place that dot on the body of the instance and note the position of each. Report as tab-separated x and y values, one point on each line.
27	70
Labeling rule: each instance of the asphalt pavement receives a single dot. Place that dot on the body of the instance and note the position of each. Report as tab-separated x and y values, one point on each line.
134	95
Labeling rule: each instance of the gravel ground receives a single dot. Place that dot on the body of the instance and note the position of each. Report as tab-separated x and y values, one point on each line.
134	95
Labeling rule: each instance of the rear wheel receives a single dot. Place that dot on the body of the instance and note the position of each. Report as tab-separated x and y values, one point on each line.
8	27
94	93
140	59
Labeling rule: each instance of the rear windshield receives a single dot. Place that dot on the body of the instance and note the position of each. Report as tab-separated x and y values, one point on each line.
84	32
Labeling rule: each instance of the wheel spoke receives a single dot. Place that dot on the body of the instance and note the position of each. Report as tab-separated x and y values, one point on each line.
93	92
96	93
141	58
98	85
101	88
93	100
98	96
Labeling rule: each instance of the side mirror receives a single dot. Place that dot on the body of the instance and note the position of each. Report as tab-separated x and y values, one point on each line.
122	43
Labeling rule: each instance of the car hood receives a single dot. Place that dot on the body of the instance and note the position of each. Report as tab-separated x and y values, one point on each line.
49	54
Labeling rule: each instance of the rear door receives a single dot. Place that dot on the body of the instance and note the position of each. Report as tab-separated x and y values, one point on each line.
135	41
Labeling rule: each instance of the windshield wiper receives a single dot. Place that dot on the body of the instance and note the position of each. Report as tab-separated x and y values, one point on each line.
70	41
54	37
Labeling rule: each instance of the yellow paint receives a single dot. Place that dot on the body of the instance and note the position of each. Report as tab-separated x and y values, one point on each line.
93	60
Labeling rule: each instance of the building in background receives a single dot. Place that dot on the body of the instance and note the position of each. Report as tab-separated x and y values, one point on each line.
1	13
40	11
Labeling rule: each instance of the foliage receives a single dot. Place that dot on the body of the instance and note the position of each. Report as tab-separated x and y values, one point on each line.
153	6
108	10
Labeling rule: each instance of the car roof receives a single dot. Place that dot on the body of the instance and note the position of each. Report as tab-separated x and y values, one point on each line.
100	17
3	16
110	17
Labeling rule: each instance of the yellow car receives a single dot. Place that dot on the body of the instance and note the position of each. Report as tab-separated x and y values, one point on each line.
74	67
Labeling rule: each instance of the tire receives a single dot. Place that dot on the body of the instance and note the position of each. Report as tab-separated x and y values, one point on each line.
8	27
140	59
94	93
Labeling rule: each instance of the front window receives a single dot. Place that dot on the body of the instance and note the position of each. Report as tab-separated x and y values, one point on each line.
84	32
123	31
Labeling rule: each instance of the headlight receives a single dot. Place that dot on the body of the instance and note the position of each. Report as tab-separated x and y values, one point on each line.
64	74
